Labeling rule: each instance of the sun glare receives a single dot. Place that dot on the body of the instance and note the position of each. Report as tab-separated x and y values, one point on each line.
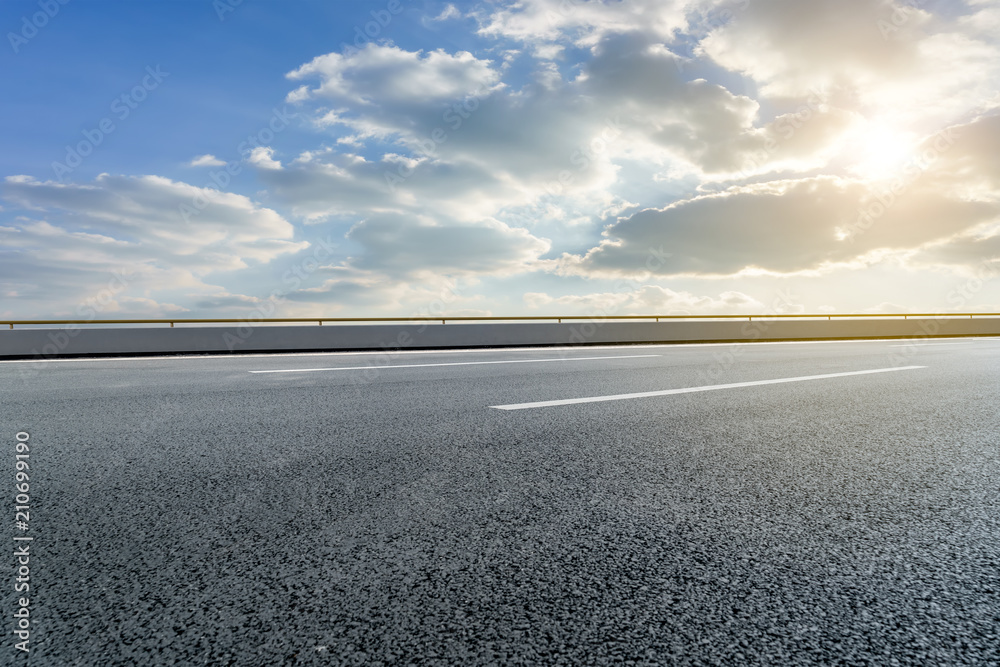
880	151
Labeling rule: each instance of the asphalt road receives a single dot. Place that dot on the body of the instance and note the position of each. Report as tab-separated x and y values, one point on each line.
190	511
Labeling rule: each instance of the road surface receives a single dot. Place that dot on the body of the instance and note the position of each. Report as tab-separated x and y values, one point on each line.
466	507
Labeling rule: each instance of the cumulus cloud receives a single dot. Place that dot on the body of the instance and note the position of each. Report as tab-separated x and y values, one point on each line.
797	226
477	154
790	230
793	47
942	205
263	157
881	57
678	140
560	146
706	125
385	74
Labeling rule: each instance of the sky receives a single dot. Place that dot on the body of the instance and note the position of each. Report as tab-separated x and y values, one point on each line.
257	158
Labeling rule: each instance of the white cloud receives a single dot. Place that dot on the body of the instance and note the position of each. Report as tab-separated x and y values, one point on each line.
449	12
474	156
82	235
388	74
582	22
946	206
722	141
207	160
148	211
556	150
885	58
263	157
793	47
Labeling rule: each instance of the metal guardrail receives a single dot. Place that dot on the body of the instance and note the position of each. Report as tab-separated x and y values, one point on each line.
529	318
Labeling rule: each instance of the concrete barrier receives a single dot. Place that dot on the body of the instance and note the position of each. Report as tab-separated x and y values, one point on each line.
50	343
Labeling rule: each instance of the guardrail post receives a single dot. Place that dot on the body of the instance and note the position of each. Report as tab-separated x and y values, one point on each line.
320	322
171	325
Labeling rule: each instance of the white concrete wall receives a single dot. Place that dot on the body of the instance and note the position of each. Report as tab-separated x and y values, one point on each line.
46	343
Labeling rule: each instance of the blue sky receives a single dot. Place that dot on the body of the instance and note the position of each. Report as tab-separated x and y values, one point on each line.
220	158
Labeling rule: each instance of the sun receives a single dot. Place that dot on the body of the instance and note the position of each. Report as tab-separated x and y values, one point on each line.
880	151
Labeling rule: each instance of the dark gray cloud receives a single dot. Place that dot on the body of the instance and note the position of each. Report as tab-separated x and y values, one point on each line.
783	228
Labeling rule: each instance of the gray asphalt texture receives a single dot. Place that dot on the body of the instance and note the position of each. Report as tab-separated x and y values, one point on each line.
186	511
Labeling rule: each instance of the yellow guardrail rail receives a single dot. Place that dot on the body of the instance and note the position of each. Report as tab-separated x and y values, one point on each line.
526	318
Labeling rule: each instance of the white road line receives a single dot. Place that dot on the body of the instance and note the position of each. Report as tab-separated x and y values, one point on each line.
688	390
459	363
